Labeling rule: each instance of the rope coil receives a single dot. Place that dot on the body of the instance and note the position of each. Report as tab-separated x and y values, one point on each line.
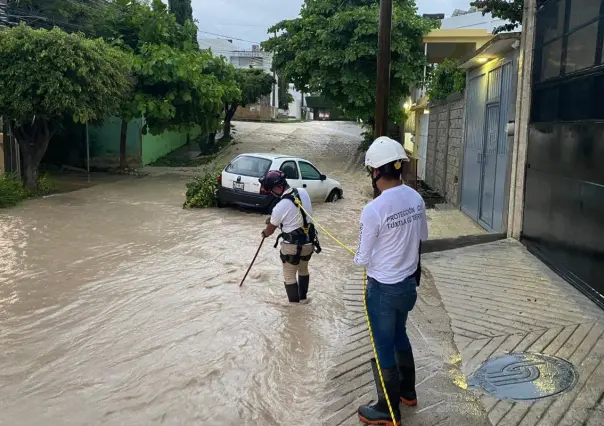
351	251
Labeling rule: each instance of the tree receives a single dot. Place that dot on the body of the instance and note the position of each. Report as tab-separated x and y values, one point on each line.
445	80
227	75
253	84
182	10
46	76
69	15
175	88
331	48
509	10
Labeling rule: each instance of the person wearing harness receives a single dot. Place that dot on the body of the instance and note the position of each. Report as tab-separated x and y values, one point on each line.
392	228
299	236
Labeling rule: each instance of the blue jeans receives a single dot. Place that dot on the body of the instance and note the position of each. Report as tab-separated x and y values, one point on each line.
388	306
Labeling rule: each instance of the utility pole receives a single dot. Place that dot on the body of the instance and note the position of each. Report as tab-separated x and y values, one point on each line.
383	73
383	69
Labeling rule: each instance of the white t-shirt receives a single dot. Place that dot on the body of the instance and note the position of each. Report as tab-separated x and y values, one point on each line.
392	227
286	213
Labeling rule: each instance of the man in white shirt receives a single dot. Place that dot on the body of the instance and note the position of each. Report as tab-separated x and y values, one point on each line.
297	231
392	228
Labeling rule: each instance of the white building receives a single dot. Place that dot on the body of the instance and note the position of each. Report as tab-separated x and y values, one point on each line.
244	58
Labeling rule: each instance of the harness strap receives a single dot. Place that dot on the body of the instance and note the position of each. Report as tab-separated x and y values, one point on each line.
307	228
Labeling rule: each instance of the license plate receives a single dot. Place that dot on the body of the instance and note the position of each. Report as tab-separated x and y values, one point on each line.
237	185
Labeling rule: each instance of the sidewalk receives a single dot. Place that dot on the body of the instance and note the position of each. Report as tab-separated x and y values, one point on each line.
501	300
474	304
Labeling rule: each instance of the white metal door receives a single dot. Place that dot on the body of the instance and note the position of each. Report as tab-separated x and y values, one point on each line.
422	145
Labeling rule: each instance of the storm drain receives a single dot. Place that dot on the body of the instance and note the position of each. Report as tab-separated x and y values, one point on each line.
524	376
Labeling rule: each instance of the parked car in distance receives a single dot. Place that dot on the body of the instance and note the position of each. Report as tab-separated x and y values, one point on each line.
238	182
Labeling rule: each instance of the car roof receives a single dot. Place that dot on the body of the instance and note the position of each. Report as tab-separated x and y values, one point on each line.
267	156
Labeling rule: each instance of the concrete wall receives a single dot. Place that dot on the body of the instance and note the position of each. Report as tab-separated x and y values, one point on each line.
105	142
140	149
445	147
155	147
254	112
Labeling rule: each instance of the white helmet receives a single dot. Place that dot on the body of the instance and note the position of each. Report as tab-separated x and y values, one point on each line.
384	151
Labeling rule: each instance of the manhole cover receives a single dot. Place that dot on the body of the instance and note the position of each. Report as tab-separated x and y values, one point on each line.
524	376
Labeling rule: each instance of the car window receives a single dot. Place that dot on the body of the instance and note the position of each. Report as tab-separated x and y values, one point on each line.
247	165
290	170
309	172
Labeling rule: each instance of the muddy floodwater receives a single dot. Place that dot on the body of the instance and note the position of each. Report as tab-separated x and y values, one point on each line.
118	307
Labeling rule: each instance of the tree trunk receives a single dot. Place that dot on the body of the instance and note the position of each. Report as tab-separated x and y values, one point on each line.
33	141
211	140
229	113
123	144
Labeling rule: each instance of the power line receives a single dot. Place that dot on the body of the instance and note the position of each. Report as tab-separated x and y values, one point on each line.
228	37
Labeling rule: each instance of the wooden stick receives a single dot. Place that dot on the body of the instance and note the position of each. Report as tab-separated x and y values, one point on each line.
253	260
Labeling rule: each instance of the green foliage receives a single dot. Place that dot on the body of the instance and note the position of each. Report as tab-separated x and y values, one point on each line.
182	10
254	84
445	80
175	91
11	190
509	10
202	191
134	23
176	84
69	15
52	74
331	48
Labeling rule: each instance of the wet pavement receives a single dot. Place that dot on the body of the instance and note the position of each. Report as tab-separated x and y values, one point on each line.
118	307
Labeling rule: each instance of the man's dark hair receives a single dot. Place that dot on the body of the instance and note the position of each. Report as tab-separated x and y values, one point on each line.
388	171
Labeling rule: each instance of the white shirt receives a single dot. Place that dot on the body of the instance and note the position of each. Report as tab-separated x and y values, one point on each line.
392	227
287	214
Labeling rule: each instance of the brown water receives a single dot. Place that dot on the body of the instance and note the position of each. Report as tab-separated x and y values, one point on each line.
118	307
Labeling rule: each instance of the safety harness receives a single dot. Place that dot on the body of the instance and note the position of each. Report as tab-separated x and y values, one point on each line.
306	234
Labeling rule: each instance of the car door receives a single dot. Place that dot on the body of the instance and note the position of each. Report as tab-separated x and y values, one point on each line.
292	174
312	182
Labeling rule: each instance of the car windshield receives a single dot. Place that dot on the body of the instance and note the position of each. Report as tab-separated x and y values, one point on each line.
247	165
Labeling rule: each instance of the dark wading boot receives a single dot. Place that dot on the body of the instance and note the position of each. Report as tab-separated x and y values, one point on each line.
303	283
406	369
378	413
292	293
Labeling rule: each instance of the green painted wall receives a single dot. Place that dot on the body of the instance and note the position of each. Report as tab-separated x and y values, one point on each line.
105	138
105	142
155	147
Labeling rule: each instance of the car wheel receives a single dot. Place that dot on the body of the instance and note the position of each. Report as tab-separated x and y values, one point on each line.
334	196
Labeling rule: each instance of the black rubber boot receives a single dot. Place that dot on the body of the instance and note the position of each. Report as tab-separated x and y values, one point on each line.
378	413
406	369
303	283
292	293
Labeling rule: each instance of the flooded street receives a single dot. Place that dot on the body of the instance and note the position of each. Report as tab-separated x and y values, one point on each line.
118	307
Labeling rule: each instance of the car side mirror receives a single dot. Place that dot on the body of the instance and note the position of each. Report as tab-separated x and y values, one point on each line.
323	177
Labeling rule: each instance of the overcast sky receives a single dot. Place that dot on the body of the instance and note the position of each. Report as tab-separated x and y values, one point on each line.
249	19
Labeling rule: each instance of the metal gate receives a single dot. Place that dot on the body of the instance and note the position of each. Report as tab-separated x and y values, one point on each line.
485	165
422	146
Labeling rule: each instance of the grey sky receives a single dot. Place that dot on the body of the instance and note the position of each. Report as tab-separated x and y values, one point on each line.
249	19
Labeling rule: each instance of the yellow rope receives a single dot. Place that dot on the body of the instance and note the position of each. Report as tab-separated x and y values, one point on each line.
377	362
